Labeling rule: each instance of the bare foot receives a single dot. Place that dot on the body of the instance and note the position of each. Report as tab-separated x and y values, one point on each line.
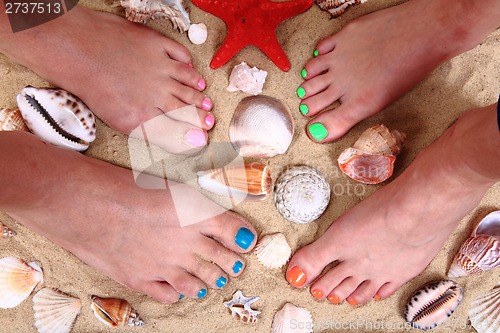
96	211
125	72
393	235
376	58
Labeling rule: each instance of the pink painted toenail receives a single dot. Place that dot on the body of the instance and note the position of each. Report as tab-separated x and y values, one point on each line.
210	120
206	104
334	299
296	277
196	138
317	293
352	301
190	65
201	84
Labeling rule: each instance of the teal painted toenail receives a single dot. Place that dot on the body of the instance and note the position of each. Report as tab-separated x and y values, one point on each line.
244	238
318	131
303	109
181	296
316	53
303	73
237	267
301	92
202	293
221	282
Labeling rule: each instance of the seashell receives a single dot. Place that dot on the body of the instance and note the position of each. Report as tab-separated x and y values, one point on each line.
433	304
371	159
273	251
337	7
144	10
6	231
197	33
115	312
287	319
55	311
246	79
241	307
252	181
301	194
481	251
484	313
57	117
12	120
17	281
261	127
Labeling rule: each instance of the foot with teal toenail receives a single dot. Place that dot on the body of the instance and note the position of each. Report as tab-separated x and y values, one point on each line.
237	267
221	282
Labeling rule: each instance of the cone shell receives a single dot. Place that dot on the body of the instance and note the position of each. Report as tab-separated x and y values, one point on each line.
273	251
433	304
251	181
17	281
115	312
337	7
241	307
6	231
301	194
286	320
55	311
484	313
261	127
12	120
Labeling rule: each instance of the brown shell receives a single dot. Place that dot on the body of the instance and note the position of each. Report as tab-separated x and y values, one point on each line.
115	312
337	7
477	254
379	140
12	120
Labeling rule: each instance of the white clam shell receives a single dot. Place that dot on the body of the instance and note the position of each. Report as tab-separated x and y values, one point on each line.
12	120
261	127
292	319
246	79
484	313
241	307
301	194
17	281
198	33
55	311
57	117
273	250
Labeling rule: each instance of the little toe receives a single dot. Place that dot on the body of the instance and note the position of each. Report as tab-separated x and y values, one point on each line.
320	101
185	283
160	291
346	288
327	45
365	292
176	51
194	116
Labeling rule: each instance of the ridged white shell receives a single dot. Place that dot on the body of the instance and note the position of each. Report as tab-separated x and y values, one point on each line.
55	311
301	194
246	79
261	127
57	117
273	250
241	307
292	319
432	304
198	33
115	312
337	7
6	231
17	281
484	313
12	120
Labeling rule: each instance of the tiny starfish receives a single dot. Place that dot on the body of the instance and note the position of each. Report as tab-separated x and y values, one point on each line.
241	307
252	22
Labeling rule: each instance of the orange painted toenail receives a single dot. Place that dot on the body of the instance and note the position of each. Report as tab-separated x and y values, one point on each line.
334	299
317	293
296	277
377	297
352	301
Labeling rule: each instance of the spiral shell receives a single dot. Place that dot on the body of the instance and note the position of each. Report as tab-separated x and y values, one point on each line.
12	120
246	79
337	7
273	250
261	127
301	194
287	319
6	231
55	311
241	307
115	312
484	313
17	281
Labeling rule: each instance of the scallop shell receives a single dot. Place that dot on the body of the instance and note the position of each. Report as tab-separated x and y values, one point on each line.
292	318
433	304
6	231
371	159
144	10
12	120
246	79
337	7
484	313
198	33
17	281
481	251
241	307
250	181
301	194
57	117
115	312
261	127
273	250
55	311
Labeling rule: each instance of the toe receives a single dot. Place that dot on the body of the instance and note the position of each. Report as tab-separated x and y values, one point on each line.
194	116
160	291
211	274
346	288
365	292
326	45
227	260
316	103
176	51
386	290
315	67
185	283
330	280
177	94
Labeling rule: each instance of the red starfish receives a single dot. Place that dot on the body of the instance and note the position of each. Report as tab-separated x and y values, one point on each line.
252	22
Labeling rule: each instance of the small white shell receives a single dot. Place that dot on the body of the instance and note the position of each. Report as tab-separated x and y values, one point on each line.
484	313
198	33
246	79
261	127
17	281
57	117
6	231
12	120
301	194
273	250
241	307
55	311
292	319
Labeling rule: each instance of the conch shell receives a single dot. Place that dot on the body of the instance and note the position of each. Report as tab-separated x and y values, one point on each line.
12	120
371	159
273	250
292	319
337	7
17	281
246	79
481	251
484	313
241	307
115	312
55	311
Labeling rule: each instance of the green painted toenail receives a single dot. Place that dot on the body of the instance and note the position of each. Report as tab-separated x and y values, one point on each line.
303	73
303	109
301	92
318	131
315	53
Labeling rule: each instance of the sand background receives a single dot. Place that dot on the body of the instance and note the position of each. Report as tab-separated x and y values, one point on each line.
468	81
